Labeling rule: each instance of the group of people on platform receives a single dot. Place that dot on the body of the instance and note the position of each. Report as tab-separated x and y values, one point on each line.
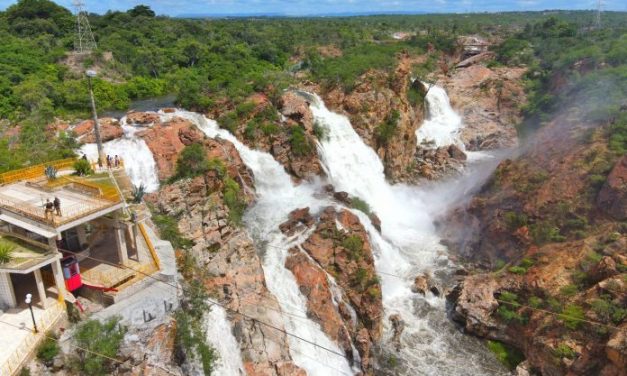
52	208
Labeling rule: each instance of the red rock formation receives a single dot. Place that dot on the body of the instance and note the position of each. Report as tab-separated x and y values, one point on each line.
142	118
110	129
613	196
344	255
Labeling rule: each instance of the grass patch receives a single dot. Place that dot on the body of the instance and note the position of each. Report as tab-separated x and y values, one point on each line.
361	205
233	201
355	245
508	356
103	338
48	349
572	316
169	230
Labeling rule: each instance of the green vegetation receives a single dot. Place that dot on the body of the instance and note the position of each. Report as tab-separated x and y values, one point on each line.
6	251
355	245
386	131
522	267
508	308
572	316
191	162
507	355
48	349
361	205
138	192
301	145
169	230
96	337
515	220
609	311
564	351
82	167
234	201
190	335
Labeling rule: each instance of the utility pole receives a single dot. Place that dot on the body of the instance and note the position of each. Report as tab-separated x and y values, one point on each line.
85	42
101	156
598	14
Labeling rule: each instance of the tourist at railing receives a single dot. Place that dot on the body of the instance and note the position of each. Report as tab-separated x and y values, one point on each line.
57	206
49	210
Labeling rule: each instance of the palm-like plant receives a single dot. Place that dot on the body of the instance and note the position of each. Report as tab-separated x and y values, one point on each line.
51	172
138	193
6	252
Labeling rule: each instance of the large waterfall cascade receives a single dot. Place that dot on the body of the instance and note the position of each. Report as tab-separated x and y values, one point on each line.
139	163
407	246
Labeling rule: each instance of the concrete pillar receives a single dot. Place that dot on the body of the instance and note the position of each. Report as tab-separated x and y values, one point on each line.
7	294
120	243
82	234
41	289
52	242
57	272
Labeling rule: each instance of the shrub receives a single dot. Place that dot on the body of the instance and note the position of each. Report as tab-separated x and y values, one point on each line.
103	338
82	167
6	252
569	290
169	230
518	270
360	277
138	193
544	233
192	162
564	351
572	316
607	310
508	356
515	220
360	205
269	129
216	164
48	349
355	245
191	338
299	142
387	129
320	132
233	201
535	302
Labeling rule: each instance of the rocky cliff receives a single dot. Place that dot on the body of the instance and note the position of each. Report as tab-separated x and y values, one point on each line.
222	257
334	269
549	227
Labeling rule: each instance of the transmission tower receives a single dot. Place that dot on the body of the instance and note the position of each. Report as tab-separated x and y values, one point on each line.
85	42
597	20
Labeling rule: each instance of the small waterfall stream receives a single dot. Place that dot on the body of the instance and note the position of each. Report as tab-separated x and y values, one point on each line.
139	162
443	125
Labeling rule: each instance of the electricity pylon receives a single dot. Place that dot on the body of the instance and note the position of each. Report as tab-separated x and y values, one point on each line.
85	42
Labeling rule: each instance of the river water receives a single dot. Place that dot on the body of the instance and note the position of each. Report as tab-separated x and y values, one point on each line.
408	245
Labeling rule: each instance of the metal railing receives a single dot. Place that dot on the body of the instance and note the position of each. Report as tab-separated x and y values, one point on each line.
151	247
14	362
35	171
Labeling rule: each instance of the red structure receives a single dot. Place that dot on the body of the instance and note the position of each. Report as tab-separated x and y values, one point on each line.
71	273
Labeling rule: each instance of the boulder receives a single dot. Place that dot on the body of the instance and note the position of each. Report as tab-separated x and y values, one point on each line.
398	325
421	284
297	219
616	348
456	153
343	197
295	107
142	118
376	221
110	129
604	269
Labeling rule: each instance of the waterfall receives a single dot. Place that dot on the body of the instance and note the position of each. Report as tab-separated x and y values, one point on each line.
277	196
407	246
443	125
222	339
139	162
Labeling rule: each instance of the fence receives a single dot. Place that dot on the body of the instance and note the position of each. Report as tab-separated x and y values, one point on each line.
151	247
14	362
36	171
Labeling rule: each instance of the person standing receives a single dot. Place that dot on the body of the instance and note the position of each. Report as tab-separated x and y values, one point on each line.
117	161
49	210
108	161
57	206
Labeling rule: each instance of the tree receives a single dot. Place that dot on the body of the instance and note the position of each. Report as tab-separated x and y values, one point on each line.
141	10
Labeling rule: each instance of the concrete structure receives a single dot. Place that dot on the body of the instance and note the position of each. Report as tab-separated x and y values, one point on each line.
113	252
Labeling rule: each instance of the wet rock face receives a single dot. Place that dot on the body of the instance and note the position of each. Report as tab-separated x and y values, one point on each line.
232	271
371	102
435	164
142	118
340	253
110	129
613	196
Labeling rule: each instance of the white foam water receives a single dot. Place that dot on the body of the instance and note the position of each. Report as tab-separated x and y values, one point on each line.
139	163
219	335
443	125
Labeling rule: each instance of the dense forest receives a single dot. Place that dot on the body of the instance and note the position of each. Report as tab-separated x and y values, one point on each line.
214	65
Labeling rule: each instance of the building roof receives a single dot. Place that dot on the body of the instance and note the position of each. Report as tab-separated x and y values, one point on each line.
26	255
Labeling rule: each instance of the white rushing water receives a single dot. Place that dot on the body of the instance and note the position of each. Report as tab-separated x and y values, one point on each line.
139	163
219	335
443	125
277	196
407	247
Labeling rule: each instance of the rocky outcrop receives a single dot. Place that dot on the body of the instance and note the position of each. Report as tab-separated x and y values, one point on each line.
142	118
223	257
553	252
435	164
338	253
613	196
110	129
376	96
489	101
167	140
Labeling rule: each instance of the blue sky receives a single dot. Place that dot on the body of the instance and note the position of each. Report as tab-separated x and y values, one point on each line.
307	7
